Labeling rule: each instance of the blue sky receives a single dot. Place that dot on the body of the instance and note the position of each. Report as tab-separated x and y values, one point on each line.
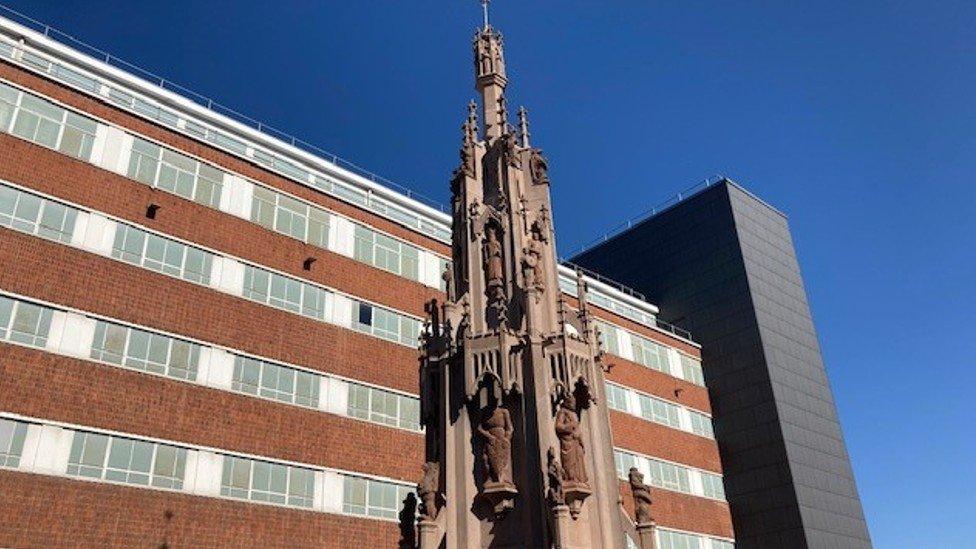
857	119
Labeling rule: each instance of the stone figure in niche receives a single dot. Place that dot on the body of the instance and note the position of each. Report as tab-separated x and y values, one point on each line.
538	168
494	268
555	477
532	267
448	277
571	450
642	496
496	429
427	489
510	150
540	226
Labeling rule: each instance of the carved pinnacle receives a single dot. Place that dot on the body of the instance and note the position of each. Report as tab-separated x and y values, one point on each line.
523	116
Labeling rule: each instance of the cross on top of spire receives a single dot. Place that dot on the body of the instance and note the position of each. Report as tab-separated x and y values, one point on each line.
484	6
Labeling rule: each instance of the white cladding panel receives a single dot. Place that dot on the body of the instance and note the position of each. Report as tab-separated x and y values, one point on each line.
71	334
94	233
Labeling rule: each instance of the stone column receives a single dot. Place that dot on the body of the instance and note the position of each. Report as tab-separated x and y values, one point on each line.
645	534
561	522
429	538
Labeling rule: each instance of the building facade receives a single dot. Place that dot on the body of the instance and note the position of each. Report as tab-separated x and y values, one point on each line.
722	264
209	334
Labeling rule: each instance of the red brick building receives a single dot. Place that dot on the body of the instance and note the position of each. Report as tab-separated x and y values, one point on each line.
208	334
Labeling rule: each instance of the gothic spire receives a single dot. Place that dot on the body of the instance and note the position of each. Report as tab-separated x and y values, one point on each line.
490	80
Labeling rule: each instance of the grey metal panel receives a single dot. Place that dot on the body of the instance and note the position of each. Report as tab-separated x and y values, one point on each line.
722	264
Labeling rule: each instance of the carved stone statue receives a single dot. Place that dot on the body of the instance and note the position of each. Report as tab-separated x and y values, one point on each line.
555	475
496	428
427	489
571	448
538	168
494	268
510	150
541	225
642	497
532	267
448	277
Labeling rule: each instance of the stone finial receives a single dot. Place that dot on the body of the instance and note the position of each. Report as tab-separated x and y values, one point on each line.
523	117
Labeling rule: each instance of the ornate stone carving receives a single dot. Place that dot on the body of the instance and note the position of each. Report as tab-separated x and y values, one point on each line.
428	489
448	277
494	266
571	448
532	268
494	271
496	430
538	168
642	497
489	57
510	150
572	454
541	225
555	476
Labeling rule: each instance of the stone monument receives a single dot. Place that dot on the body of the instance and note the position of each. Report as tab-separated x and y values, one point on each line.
512	378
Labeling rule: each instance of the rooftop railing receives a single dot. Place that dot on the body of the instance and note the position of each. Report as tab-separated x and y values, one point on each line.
647	214
209	103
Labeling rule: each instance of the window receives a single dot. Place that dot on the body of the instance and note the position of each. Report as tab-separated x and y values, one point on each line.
87	458
318	227
659	411
263	207
175	172
678	540
385	324
650	354
32	214
24	322
39	121
691	370
713	486
144	161
670	476
269	482
387	253
125	460
8	103
363	244
616	397
286	293
623	461
210	183
701	424
78	136
129	461
145	351
275	382
256	283
373	498
12	435
608	337
109	342
384	407
292	218
57	222
313	301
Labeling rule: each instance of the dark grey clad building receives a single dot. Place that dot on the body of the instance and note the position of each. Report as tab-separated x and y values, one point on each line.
721	263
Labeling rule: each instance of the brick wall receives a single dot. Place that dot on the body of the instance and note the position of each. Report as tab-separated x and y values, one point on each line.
41	511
